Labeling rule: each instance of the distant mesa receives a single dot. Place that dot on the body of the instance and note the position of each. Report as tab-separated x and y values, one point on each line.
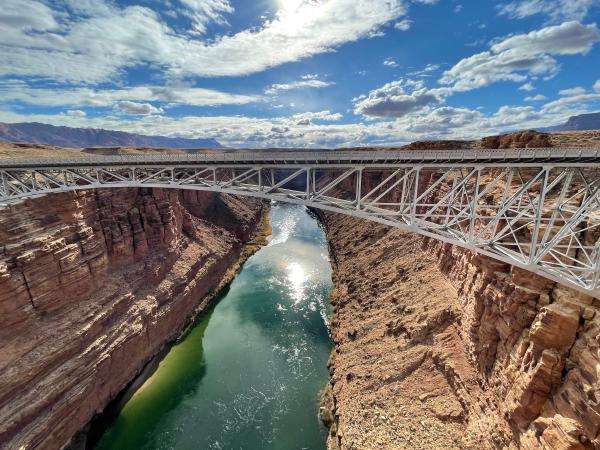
583	122
40	133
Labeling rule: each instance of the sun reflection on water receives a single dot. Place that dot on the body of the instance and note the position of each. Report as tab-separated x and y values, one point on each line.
297	278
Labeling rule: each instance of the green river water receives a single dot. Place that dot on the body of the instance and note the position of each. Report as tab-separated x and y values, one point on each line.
248	373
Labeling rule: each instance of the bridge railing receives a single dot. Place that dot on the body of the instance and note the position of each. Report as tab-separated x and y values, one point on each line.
328	156
535	208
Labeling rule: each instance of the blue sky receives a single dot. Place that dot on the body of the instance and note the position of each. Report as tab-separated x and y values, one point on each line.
307	73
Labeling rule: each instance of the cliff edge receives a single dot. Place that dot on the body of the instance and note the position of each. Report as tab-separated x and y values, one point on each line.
92	285
437	347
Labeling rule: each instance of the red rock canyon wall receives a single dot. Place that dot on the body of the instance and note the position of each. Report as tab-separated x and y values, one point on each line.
92	286
436	347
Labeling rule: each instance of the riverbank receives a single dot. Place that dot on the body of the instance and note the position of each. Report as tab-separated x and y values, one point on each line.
247	373
93	284
392	385
436	347
89	436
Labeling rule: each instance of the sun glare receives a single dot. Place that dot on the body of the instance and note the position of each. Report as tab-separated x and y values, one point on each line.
296	14
296	277
290	5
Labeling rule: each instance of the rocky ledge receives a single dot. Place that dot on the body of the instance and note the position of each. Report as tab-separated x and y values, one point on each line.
92	285
436	347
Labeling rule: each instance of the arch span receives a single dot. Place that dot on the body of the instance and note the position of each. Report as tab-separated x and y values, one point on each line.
538	210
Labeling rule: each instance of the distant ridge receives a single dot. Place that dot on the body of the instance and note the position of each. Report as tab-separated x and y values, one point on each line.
40	133
581	122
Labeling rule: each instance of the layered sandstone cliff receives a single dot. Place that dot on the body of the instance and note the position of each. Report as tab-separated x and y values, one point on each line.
92	285
437	347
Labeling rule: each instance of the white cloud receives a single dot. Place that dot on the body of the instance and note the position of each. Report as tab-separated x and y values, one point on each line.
76	113
296	131
27	15
516	57
578	99
375	34
568	38
393	100
458	8
17	90
572	91
308	117
202	12
390	62
556	10
526	87
136	109
96	41
98	47
403	25
425	71
307	81
536	98
440	121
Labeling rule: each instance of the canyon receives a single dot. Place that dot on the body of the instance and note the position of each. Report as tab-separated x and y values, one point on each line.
438	347
434	346
93	284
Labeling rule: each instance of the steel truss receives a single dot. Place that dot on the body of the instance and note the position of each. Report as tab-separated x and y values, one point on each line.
543	217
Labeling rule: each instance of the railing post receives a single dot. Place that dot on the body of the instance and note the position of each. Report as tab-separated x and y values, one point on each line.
34	185
413	211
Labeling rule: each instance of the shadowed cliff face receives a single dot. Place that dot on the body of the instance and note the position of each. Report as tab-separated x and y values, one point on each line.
92	285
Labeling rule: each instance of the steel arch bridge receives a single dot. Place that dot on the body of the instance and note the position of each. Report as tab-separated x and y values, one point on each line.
538	209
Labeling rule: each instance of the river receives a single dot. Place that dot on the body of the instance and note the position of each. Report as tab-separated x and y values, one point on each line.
248	372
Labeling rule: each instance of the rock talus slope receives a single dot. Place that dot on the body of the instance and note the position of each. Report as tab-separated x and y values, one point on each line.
92	286
437	347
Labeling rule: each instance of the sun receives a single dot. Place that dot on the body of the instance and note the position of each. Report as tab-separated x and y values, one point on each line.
290	5
294	14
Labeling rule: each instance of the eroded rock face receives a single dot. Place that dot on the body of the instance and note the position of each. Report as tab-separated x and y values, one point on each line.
436	347
538	349
520	139
92	285
400	376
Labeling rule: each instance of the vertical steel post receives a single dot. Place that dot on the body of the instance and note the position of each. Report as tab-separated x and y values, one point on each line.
5	191
260	181
359	174
538	217
413	212
474	206
308	170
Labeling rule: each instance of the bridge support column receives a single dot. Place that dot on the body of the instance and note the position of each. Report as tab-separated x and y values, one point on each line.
359	175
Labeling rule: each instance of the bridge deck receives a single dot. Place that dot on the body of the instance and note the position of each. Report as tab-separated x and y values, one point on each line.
560	156
538	209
